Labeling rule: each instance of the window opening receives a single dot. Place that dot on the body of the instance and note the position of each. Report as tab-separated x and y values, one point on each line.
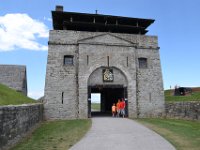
108	61
127	61
68	60
62	96
87	59
142	63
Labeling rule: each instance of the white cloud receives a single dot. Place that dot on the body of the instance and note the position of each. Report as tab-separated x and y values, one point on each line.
36	94
21	31
47	19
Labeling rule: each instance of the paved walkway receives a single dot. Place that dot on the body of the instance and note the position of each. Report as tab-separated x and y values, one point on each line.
109	133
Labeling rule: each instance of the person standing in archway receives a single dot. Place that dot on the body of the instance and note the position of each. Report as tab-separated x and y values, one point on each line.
118	107
122	106
113	110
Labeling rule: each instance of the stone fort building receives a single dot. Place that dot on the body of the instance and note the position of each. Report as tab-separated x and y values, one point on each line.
110	55
14	76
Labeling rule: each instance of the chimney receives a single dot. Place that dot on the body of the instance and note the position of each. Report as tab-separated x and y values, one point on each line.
59	8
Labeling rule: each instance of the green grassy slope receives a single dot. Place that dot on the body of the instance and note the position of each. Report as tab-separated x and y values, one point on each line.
9	96
195	96
184	135
55	135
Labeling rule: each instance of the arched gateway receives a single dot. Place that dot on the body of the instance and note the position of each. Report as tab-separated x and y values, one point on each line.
112	85
111	55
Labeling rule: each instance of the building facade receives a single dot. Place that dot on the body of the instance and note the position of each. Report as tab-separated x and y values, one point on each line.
14	76
110	55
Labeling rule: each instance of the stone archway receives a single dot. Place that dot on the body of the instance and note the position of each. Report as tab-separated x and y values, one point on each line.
111	89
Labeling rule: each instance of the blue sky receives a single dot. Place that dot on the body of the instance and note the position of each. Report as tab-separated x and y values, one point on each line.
177	26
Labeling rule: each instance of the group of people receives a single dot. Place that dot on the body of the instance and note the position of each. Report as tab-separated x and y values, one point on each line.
119	108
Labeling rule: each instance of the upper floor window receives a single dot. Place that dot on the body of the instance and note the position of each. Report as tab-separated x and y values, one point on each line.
142	63
68	60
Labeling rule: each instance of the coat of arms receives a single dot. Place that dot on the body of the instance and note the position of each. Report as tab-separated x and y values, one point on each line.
108	75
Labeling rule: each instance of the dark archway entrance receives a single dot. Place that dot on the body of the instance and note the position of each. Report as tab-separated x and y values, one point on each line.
109	95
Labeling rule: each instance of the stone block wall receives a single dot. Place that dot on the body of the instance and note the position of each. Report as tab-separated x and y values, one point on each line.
60	85
66	94
150	85
183	110
14	76
98	49
16	121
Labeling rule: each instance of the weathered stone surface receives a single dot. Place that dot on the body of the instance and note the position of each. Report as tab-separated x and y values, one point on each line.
90	51
183	110
15	121
14	76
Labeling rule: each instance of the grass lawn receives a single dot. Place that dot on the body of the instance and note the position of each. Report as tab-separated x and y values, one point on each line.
9	96
169	97
55	135
95	106
184	135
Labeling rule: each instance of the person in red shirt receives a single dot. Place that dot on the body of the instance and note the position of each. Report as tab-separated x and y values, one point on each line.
122	107
118	107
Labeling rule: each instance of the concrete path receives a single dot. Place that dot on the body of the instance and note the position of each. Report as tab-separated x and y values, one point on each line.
109	133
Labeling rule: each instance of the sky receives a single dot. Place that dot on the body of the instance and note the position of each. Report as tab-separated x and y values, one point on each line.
25	25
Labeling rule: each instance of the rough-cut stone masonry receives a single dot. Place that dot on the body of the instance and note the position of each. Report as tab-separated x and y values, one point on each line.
16	121
96	43
66	87
14	76
183	110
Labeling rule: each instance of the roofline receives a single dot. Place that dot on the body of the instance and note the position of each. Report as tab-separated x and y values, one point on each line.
63	20
68	12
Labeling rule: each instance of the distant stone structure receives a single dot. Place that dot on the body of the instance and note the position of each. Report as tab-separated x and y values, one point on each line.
14	76
110	55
